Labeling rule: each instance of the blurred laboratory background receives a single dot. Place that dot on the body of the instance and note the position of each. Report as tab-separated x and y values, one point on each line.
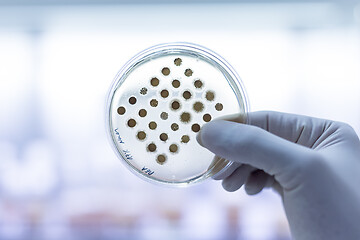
59	177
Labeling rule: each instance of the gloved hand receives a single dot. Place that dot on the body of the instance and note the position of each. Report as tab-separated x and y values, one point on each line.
313	163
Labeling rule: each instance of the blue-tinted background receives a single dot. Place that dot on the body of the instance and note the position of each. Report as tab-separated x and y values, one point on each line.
59	178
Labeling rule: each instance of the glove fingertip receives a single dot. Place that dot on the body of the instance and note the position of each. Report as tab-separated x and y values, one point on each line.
198	138
253	191
228	186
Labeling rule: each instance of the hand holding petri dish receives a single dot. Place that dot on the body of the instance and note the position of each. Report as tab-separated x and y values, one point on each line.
158	102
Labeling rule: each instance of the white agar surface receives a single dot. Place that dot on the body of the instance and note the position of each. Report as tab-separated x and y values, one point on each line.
191	161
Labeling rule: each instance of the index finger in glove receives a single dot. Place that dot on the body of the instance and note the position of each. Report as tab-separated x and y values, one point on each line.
303	130
250	145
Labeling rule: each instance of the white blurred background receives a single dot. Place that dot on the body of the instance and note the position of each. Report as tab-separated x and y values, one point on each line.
59	178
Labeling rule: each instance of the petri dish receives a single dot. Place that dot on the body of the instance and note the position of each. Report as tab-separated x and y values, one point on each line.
159	101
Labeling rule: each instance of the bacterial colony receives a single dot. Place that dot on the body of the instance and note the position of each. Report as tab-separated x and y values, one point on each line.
204	101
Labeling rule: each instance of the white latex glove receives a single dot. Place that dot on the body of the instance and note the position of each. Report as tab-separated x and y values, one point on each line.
313	163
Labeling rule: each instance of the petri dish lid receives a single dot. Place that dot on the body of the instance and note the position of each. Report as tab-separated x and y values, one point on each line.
159	101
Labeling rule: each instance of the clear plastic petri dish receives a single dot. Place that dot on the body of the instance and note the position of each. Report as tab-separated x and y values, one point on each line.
159	101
